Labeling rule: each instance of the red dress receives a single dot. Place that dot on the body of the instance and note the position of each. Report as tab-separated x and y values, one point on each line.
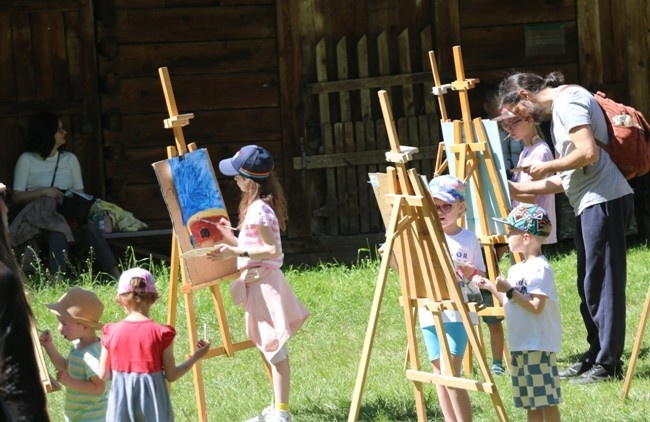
138	388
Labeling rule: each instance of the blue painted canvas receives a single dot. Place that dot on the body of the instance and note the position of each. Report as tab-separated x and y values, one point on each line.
199	197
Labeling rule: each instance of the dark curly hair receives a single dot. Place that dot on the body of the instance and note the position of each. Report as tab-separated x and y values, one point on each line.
509	88
42	129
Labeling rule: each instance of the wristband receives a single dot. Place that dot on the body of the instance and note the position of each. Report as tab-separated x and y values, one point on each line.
510	292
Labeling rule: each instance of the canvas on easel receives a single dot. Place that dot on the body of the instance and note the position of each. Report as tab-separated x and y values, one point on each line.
195	204
414	237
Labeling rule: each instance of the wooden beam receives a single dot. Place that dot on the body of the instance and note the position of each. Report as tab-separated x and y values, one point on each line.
290	75
38	6
638	43
367	83
355	158
589	41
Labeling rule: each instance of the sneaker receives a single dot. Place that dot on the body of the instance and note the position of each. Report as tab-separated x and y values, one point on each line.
599	373
265	416
575	370
498	369
279	416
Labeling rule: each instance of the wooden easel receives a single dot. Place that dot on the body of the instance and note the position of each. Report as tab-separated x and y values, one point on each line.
49	384
466	156
176	122
426	272
634	356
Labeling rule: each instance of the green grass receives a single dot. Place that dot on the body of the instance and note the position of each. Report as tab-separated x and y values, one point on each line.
325	354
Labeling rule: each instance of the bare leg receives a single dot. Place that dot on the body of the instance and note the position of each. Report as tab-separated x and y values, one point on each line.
496	340
454	402
281	372
535	415
551	414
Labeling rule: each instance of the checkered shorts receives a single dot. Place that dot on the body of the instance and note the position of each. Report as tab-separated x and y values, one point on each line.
535	379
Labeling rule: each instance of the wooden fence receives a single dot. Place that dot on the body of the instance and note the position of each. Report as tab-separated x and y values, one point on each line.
353	139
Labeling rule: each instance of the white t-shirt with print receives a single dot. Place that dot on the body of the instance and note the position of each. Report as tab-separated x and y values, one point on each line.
528	331
463	247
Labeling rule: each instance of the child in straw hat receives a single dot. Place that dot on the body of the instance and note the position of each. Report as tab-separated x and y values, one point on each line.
79	312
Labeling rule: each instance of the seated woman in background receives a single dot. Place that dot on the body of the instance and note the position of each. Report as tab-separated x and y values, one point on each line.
41	177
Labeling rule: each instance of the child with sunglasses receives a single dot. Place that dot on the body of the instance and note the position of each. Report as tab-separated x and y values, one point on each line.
448	195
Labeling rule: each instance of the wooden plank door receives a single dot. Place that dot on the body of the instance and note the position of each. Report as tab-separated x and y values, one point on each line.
48	63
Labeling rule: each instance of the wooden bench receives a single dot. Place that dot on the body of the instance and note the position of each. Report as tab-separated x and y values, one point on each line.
137	241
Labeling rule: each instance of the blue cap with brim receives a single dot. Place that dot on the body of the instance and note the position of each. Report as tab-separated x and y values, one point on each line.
251	161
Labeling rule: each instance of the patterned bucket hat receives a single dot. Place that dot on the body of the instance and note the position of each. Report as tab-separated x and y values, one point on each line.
528	218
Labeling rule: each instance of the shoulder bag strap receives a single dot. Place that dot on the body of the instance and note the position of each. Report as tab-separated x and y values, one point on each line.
56	167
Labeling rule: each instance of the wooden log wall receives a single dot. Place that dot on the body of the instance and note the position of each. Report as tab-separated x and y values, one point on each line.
223	63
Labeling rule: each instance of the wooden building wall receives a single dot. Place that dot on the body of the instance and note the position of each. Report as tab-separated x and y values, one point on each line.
223	64
245	68
601	44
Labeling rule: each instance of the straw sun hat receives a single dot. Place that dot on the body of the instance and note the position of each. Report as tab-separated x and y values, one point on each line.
80	305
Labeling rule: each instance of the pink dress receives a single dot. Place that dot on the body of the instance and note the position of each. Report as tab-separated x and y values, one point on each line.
273	312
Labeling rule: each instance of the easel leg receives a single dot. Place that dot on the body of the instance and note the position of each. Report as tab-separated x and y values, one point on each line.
197	370
355	406
368	342
221	317
174	267
637	347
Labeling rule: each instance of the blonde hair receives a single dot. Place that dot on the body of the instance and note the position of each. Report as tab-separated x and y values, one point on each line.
138	296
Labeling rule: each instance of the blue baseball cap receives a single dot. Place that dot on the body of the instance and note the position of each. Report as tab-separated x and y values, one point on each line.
251	161
447	188
528	218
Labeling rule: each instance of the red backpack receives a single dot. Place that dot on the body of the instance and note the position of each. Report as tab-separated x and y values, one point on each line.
629	137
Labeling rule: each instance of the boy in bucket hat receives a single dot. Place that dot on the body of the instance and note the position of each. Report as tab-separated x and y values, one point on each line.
79	312
532	312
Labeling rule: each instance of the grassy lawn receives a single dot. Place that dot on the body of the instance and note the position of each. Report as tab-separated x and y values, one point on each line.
326	352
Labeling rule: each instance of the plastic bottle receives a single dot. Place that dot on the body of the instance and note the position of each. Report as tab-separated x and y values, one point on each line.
98	216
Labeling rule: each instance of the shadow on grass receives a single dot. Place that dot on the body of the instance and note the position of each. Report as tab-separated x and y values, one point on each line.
373	410
568	360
